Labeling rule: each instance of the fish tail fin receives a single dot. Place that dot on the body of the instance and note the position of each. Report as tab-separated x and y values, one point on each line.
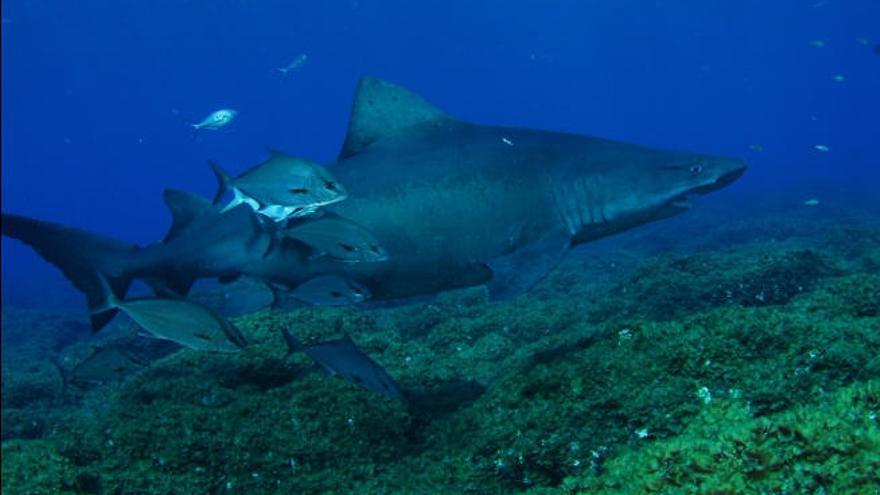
293	344
110	301
223	180
90	261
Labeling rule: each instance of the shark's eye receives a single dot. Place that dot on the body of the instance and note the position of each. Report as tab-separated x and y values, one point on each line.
374	248
329	185
696	169
346	247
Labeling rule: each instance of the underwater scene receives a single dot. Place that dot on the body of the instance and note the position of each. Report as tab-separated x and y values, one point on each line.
440	247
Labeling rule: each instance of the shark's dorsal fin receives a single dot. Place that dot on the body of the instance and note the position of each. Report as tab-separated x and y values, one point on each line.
185	207
381	109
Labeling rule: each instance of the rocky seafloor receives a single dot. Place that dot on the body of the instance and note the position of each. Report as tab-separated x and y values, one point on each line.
695	358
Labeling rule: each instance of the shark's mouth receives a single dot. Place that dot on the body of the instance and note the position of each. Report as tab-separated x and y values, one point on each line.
683	202
721	182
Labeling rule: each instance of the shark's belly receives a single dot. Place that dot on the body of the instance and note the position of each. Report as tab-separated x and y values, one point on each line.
440	229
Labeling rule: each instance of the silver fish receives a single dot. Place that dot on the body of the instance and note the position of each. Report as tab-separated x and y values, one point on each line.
338	239
293	66
342	357
330	290
217	120
187	323
281	187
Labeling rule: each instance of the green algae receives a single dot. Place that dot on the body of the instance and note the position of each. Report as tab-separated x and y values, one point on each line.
831	446
667	386
37	468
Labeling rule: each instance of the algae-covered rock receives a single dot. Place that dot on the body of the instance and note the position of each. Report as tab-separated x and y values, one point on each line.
34	467
832	446
256	438
663	288
730	371
18	423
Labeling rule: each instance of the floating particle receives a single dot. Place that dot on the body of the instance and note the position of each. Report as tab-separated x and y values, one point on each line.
823	148
811	202
863	41
756	147
838	78
816	43
507	141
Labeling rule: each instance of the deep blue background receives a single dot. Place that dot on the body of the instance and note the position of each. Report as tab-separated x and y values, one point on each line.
91	89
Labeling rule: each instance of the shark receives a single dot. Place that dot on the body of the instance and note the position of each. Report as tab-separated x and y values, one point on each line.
458	204
452	204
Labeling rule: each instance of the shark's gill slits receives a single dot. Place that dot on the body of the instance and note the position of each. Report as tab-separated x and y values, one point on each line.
579	203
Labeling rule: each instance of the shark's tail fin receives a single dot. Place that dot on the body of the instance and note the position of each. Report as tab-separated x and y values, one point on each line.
223	181
83	257
293	344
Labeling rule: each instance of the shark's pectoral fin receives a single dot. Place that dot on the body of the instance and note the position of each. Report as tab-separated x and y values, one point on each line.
382	109
519	271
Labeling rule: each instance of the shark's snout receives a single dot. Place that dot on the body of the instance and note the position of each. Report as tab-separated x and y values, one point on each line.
738	168
725	172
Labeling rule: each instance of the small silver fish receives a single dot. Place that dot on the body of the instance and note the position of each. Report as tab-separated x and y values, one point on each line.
106	363
293	66
343	358
338	239
217	120
281	187
330	290
187	323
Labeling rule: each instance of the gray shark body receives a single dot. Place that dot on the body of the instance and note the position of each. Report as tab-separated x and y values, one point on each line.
457	204
452	204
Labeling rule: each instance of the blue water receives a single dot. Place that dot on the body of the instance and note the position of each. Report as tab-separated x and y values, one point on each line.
96	94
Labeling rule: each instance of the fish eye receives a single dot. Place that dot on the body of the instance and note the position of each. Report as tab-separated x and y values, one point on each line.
329	185
347	247
335	294
696	169
374	248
